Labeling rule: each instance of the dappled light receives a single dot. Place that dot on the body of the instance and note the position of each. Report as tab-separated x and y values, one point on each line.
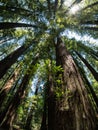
74	9
49	65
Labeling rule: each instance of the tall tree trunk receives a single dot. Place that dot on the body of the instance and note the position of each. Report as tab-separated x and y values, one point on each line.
7	87
89	50
8	61
10	111
89	86
7	25
51	100
55	6
44	116
90	22
31	112
95	74
92	92
13	9
29	119
48	2
73	108
43	124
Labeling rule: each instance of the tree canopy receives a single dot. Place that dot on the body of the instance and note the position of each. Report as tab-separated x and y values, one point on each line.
40	40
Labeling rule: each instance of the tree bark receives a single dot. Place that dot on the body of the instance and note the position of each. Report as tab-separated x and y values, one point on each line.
7	87
51	101
7	25
89	50
95	74
31	112
89	86
9	114
92	92
10	111
43	124
8	61
44	115
73	108
29	119
90	22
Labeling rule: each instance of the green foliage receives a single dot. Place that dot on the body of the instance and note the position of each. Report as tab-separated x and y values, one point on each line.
57	69
50	24
59	93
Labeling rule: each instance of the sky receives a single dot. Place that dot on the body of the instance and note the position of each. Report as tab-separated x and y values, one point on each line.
87	39
72	34
84	38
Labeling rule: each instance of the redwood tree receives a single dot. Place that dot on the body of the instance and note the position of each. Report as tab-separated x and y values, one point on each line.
8	115
9	60
73	108
69	106
95	74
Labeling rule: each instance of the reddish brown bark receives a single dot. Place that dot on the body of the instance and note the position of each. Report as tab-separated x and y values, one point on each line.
7	87
73	108
10	111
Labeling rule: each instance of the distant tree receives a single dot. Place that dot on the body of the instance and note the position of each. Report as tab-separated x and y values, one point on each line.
8	61
9	112
95	74
4	91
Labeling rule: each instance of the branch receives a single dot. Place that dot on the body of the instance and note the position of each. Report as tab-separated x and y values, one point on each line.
91	5
90	22
7	25
48	2
90	28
